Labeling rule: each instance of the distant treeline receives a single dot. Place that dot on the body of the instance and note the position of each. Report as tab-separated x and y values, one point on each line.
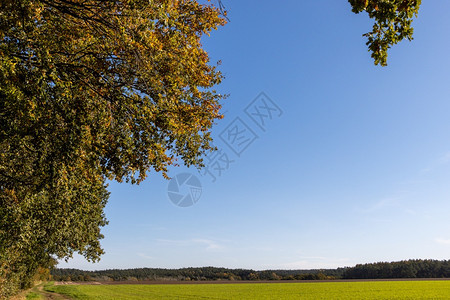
402	269
189	274
416	268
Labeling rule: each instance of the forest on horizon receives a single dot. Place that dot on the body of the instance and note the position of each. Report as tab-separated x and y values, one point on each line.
414	268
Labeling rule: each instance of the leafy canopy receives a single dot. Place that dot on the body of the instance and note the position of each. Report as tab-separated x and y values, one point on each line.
93	90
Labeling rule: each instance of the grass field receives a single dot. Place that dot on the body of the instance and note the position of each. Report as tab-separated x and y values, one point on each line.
319	290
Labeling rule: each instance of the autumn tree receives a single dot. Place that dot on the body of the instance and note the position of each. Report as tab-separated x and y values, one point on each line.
92	91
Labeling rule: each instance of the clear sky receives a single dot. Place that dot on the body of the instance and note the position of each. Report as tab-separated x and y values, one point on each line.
352	167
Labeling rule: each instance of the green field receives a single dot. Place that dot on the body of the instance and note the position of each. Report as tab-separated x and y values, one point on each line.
316	290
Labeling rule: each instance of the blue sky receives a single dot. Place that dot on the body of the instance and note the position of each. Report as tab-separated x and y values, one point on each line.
356	168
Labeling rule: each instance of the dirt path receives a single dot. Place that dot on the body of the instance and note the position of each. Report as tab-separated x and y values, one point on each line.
49	295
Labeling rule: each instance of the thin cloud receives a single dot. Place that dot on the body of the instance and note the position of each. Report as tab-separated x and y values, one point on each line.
306	263
210	244
445	159
440	161
171	242
388	202
145	256
442	241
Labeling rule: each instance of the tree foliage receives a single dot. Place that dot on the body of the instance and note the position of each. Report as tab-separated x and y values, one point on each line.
393	19
193	274
93	90
414	268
